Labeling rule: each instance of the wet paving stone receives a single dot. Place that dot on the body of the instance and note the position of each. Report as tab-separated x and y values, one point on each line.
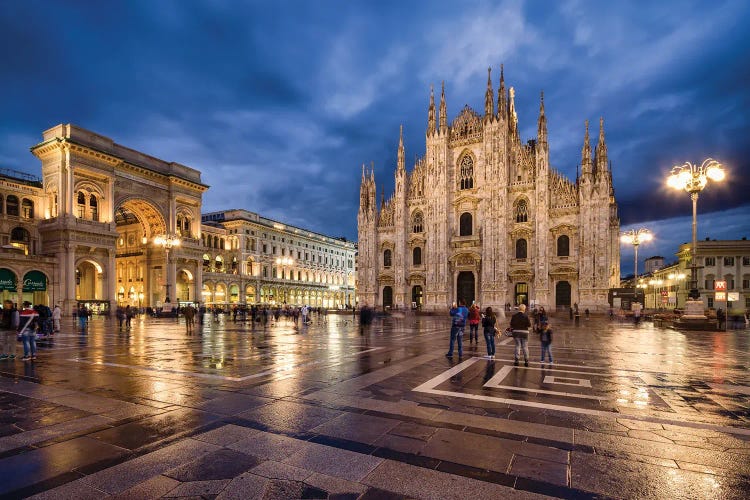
329	410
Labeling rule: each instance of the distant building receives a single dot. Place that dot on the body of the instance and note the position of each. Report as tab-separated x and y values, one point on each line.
654	263
727	260
484	217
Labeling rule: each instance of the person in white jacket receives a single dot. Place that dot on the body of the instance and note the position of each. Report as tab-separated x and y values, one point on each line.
56	315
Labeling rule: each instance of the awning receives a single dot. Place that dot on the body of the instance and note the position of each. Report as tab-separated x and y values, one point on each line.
8	280
34	281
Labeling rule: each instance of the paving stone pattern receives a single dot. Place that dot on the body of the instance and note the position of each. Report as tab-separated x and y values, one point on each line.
236	410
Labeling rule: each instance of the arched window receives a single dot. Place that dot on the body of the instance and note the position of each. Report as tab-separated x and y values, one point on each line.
563	246
221	243
81	202
521	249
417	223
416	256
387	258
206	262
467	173
219	263
27	209
1	204
20	235
12	205
522	211
94	206
465	224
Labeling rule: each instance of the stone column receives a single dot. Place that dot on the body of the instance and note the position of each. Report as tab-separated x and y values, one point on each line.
110	292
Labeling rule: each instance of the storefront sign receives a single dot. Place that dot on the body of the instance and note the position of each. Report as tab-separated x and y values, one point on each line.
34	281
720	296
733	296
8	280
720	285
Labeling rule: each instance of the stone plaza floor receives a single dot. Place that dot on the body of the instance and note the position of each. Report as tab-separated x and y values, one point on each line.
239	410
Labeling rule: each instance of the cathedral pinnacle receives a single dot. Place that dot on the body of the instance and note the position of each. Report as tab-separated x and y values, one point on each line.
431	113
512	116
401	159
443	110
586	167
542	125
489	105
601	151
502	104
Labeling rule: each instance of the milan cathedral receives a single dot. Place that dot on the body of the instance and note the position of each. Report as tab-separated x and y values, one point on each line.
483	217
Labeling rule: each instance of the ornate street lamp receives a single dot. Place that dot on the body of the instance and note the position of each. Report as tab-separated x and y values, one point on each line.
167	241
693	178
635	237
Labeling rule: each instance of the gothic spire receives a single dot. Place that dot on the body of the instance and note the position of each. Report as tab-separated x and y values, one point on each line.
489	105
512	116
586	167
601	150
542	125
401	160
431	113
443	111
502	103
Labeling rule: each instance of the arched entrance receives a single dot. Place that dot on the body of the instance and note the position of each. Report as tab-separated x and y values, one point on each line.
465	287
387	296
562	295
522	294
416	296
88	281
184	284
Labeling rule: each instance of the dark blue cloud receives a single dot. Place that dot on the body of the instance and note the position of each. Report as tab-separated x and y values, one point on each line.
280	103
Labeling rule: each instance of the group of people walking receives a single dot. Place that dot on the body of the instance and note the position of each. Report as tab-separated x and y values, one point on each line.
519	329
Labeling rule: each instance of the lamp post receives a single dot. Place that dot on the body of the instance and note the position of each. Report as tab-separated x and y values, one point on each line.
677	277
635	237
167	241
693	178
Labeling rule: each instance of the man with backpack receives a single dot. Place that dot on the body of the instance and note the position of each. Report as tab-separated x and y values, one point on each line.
458	322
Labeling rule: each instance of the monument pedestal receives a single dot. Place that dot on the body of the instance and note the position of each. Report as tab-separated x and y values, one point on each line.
694	318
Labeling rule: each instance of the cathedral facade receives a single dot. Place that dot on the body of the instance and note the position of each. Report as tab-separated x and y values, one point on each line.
484	217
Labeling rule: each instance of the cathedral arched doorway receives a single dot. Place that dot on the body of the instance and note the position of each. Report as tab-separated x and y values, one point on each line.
387	296
465	287
416	296
562	295
522	294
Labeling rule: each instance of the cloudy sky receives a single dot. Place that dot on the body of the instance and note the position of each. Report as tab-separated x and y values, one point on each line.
280	103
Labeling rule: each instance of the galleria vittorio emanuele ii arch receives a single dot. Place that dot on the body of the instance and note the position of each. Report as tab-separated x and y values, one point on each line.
104	207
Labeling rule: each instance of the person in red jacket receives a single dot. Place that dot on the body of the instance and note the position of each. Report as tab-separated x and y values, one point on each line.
475	317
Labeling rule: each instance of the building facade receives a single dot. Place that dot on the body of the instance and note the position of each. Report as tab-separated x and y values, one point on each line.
252	259
482	216
93	224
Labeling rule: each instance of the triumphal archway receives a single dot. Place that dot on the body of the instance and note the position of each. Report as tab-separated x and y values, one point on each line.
107	210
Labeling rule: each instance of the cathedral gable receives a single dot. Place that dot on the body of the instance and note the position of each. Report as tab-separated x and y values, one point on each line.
466	128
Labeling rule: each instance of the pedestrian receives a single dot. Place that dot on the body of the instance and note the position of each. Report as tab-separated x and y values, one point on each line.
120	313
189	314
458	313
586	313
488	324
56	317
15	317
28	331
305	311
545	338
721	318
128	316
83	316
8	342
475	317
520	325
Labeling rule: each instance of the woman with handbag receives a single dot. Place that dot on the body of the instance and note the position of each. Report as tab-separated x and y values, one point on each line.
488	323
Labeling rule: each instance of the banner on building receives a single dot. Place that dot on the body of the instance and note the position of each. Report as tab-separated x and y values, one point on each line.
8	280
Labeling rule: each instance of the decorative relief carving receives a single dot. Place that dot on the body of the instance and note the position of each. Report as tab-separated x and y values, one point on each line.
466	128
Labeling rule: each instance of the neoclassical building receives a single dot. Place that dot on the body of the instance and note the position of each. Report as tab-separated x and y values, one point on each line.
483	216
89	231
